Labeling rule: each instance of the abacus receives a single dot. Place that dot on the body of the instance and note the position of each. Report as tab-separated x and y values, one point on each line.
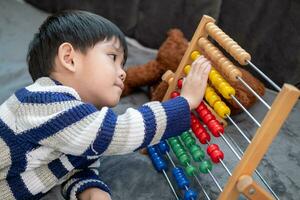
213	115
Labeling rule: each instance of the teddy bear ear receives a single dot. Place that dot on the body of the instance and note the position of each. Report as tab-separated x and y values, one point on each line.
175	32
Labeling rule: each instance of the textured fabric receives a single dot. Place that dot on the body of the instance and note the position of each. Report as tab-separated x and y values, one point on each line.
48	136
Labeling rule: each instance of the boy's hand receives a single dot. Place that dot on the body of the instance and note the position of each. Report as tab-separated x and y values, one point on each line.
94	194
194	85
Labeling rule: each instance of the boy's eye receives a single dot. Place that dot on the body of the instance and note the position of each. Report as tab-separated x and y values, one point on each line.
113	56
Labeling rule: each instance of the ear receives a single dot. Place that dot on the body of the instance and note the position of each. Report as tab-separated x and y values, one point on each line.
66	55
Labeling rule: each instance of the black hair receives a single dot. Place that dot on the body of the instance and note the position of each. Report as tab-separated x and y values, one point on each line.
82	29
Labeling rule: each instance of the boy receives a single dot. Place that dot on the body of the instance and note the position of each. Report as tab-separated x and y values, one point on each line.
54	131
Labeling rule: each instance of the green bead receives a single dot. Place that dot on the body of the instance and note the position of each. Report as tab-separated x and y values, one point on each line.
184	159
189	142
197	153
190	170
179	152
185	135
173	140
176	147
205	166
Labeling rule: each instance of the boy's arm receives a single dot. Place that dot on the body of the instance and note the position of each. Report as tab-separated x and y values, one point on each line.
77	128
84	184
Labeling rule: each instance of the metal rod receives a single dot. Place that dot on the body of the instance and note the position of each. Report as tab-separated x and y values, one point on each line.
264	76
201	186
238	128
256	171
253	92
170	184
225	167
223	164
246	111
232	149
215	180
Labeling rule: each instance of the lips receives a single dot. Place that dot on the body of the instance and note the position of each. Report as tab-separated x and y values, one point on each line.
120	85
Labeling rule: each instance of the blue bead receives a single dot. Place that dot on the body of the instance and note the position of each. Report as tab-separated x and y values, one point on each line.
157	160
163	147
190	195
180	178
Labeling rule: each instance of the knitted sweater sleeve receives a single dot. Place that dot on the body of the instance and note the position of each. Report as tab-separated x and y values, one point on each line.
82	180
76	128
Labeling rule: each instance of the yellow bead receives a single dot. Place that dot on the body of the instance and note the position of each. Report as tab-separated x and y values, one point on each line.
216	80
227	91
195	55
221	109
187	69
213	99
212	73
222	85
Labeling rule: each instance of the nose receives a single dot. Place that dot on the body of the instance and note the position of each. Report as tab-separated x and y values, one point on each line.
122	74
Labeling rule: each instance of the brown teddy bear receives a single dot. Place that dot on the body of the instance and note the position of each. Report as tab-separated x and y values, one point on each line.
168	58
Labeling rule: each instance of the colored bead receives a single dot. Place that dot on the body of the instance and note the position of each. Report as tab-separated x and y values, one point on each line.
222	109
170	80
197	153
179	152
185	134
227	91
184	159
174	94
202	136
187	69
195	127
163	147
212	98
208	117
205	166
215	128
190	195
180	178
157	160
190	170
201	106
195	55
189	141
216	156
211	148
179	83
216	80
172	141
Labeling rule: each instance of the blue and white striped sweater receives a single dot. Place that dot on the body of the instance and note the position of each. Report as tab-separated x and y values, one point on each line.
48	136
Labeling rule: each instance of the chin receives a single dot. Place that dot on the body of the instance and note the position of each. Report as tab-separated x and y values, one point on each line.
113	103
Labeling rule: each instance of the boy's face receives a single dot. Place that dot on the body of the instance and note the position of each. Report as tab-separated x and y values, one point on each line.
100	74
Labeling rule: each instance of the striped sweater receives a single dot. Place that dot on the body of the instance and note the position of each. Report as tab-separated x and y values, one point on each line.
48	136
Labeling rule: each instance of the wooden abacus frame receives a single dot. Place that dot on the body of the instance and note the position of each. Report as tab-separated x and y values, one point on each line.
241	180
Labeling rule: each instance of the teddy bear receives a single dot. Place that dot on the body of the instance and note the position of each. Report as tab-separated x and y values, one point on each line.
168	58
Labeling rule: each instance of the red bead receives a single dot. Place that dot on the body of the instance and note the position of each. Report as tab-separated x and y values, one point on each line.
179	83
207	118
216	156
211	148
203	112
193	121
175	94
203	137
195	126
215	128
201	106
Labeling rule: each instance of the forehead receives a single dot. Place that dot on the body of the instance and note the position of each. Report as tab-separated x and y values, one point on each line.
113	43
